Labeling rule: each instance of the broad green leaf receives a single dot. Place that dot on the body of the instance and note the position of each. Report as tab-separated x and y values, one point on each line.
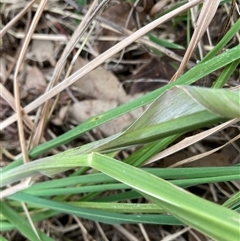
211	219
176	107
225	103
174	112
200	70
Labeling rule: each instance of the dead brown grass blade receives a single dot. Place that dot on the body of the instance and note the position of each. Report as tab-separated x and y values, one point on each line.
7	96
207	13
227	21
60	65
199	156
16	87
101	59
189	141
15	19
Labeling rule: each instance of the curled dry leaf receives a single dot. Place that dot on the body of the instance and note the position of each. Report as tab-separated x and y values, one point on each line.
35	80
59	119
99	84
43	50
83	110
108	93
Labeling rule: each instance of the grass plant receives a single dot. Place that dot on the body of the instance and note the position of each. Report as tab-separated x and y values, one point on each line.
94	168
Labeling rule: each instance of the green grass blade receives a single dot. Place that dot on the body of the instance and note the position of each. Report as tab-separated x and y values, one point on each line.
233	202
164	43
96	215
52	165
2	238
121	207
37	216
225	103
169	173
211	219
21	223
119	186
227	37
147	151
226	73
199	71
119	197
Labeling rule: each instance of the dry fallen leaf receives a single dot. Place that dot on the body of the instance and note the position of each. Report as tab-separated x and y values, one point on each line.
83	110
43	50
35	80
59	119
152	75
99	84
214	160
117	13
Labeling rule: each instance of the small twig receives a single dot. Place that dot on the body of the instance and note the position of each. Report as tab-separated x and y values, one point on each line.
101	231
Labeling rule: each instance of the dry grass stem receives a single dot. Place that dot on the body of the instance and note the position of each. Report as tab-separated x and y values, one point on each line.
99	60
15	19
199	156
125	232
16	87
189	141
56	75
205	17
